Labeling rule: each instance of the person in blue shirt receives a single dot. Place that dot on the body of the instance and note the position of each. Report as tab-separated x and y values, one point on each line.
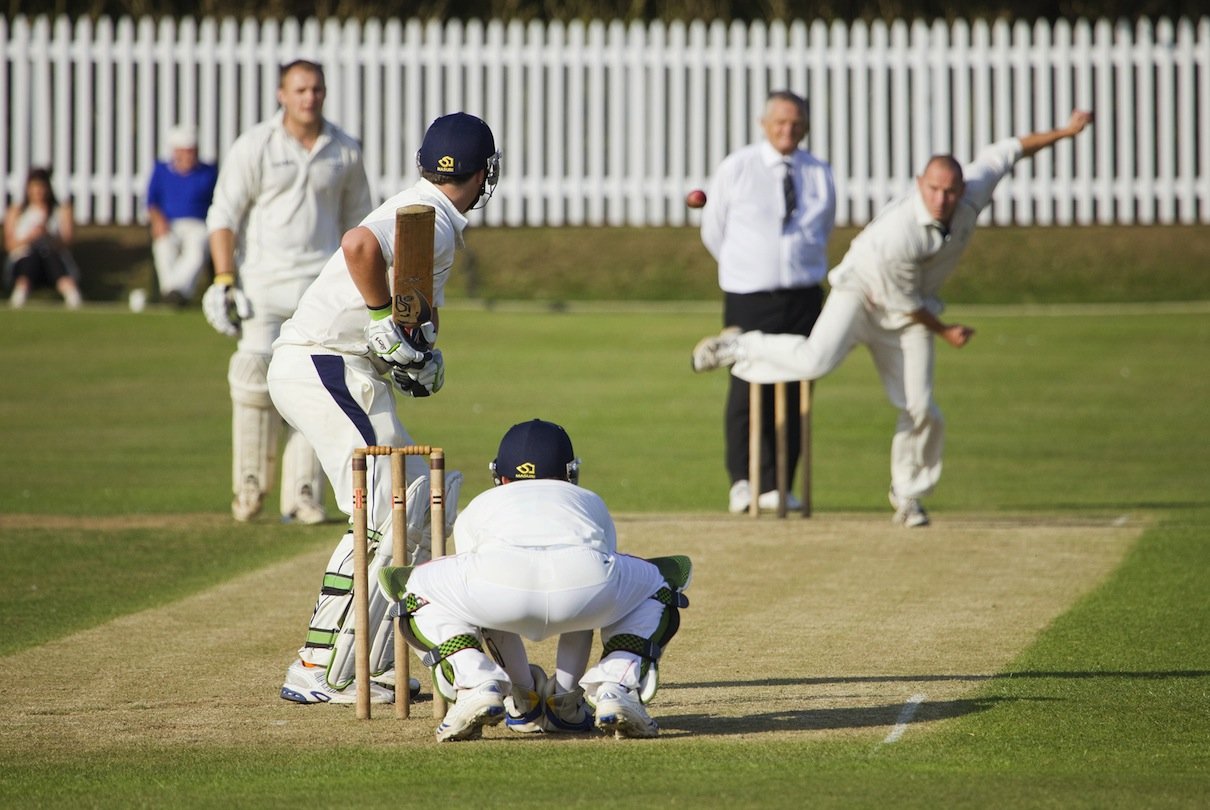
178	198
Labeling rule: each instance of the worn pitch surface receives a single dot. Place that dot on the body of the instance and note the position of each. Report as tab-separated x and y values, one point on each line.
806	629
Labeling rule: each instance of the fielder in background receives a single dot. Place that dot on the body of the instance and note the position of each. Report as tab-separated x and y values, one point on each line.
886	294
332	377
537	556
770	213
289	188
178	197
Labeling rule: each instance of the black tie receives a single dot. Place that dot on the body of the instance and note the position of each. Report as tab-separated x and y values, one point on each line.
787	186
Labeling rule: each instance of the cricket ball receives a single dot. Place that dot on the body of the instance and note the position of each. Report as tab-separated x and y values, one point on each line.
695	198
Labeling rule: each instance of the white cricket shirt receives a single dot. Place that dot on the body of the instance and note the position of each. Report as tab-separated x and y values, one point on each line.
332	314
288	207
543	512
902	258
742	223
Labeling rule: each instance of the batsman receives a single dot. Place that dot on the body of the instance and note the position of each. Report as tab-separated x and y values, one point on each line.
367	327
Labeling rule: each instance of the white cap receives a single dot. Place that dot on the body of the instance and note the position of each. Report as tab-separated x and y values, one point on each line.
182	137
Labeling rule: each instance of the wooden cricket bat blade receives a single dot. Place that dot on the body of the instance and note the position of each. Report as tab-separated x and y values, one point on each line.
412	299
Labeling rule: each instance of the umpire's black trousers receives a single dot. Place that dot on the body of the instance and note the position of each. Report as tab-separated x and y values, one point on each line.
792	311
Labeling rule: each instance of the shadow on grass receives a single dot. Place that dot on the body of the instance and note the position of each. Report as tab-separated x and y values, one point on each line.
829	719
1145	675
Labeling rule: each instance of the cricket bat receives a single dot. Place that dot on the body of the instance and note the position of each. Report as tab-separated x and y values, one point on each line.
412	299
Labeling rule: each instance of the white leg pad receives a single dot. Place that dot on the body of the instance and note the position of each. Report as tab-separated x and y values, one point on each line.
330	635
300	469
254	422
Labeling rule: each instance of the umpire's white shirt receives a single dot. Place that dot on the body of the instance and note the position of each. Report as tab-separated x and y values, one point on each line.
902	258
288	207
742	223
331	315
539	513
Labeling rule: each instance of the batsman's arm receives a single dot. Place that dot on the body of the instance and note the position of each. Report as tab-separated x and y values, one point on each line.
368	268
222	255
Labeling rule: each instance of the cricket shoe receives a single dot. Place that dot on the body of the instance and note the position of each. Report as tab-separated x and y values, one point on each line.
472	711
769	501
620	711
306	509
307	683
247	502
909	512
740	497
716	351
387	681
524	707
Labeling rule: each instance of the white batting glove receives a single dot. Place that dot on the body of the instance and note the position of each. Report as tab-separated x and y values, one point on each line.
225	306
421	380
389	342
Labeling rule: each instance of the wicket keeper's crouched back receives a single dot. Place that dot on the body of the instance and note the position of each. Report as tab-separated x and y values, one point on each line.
537	557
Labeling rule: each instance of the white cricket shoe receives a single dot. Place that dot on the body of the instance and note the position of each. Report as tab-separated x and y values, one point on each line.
306	510
472	711
306	683
716	351
909	512
620	711
387	680
740	497
770	500
247	502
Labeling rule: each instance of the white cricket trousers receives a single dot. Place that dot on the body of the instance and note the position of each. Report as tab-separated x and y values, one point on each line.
180	255
903	358
538	592
339	403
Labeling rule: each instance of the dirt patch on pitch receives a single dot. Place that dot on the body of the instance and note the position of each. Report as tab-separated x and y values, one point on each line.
818	628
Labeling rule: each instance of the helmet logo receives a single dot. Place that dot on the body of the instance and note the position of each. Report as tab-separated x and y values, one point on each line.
445	164
527	470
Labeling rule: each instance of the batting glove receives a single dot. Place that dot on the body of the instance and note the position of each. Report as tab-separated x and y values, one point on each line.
390	342
423	380
225	306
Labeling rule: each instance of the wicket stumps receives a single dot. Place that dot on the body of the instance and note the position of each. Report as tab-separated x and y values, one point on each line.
781	444
361	565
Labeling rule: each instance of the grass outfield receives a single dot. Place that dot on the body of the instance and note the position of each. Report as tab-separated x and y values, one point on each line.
1042	645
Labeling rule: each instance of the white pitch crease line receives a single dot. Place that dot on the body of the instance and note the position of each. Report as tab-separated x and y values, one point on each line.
905	716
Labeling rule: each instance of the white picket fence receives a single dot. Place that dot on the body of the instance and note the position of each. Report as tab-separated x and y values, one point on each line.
605	123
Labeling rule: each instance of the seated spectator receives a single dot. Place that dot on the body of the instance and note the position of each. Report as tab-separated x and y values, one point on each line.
37	233
178	197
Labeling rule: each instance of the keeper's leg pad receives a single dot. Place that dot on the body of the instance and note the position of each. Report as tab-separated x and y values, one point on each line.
677	571
392	584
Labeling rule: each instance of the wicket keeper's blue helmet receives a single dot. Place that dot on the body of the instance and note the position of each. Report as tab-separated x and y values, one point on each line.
536	449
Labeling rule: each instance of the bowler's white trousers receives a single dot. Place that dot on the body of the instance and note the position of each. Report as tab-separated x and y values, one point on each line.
537	592
903	357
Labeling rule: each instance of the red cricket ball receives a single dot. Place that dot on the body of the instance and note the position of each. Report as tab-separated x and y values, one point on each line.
695	198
